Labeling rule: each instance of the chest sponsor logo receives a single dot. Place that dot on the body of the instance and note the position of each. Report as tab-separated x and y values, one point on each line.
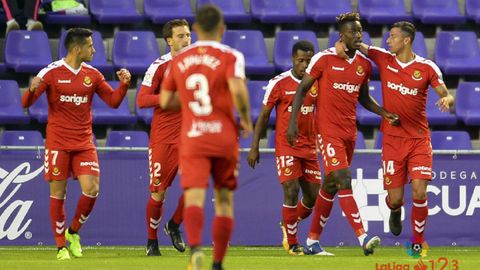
402	89
417	75
77	100
64	81
360	71
87	81
304	109
313	91
350	88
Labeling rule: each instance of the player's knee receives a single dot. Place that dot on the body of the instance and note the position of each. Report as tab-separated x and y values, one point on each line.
343	179
329	186
395	204
290	192
419	194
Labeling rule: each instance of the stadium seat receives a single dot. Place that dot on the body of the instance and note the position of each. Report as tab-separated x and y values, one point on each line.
252	44
271	139
21	138
115	12
360	143
145	114
127	139
472	10
11	111
326	11
67	19
466	103
39	109
434	115
457	53
268	11
103	114
284	41
134	50
99	60
256	91
365	117
451	140
419	45
233	10
27	51
437	12
378	141
162	11
383	11
245	142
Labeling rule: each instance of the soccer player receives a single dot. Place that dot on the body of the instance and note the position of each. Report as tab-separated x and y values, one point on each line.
298	166
69	84
164	139
406	149
208	80
342	84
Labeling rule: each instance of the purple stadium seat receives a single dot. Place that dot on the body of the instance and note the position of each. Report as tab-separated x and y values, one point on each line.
365	117
252	44
99	60
378	141
21	138
245	142
383	11
437	12
115	12
457	53
162	11
419	45
466	103
257	92
233	10
145	114
103	114
127	139
11	111
434	115
360	143
134	50
271	11
39	109
27	51
472	9
271	139
451	140
284	41
326	11
67	19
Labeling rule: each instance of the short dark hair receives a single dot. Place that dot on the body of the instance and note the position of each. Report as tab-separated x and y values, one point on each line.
345	18
76	36
303	45
208	18
167	29
407	28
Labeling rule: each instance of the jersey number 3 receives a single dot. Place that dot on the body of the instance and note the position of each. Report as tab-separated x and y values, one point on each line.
202	105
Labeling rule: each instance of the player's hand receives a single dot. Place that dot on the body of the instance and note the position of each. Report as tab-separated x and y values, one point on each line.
292	133
246	128
124	76
443	104
253	157
341	49
36	81
392	118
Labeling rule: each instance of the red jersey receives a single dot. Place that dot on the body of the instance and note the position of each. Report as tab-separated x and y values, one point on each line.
165	126
69	94
404	90
279	93
200	74
340	82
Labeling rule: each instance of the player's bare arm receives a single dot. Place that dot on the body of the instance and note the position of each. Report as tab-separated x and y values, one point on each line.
241	101
260	127
341	49
292	131
446	99
371	104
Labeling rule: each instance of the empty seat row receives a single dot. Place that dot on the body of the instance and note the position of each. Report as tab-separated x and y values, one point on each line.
456	53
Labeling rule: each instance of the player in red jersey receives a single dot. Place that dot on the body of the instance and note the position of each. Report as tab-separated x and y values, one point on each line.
342	84
406	149
208	80
164	139
69	84
298	167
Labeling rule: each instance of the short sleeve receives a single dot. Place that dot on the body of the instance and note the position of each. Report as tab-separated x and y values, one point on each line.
317	65
378	54
272	94
435	77
168	82
236	67
368	71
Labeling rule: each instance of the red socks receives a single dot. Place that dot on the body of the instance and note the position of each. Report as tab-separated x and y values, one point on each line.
323	207
290	221
193	220
419	220
349	207
154	215
57	219
302	211
178	214
222	228
84	207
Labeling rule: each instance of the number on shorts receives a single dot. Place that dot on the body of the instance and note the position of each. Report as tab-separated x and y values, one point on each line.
285	161
388	167
54	157
330	150
202	105
156	169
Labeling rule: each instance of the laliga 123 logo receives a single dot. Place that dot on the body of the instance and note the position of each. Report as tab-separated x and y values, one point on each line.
13	212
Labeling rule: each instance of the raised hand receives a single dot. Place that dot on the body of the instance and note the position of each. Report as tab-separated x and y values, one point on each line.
36	81
124	75
341	49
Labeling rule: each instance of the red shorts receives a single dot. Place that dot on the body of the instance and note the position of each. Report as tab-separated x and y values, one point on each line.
290	168
337	153
59	164
402	156
163	165
195	171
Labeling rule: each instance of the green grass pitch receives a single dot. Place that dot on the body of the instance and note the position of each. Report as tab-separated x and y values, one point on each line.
239	258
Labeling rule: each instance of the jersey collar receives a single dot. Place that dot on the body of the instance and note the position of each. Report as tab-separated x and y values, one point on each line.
404	65
293	77
74	71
